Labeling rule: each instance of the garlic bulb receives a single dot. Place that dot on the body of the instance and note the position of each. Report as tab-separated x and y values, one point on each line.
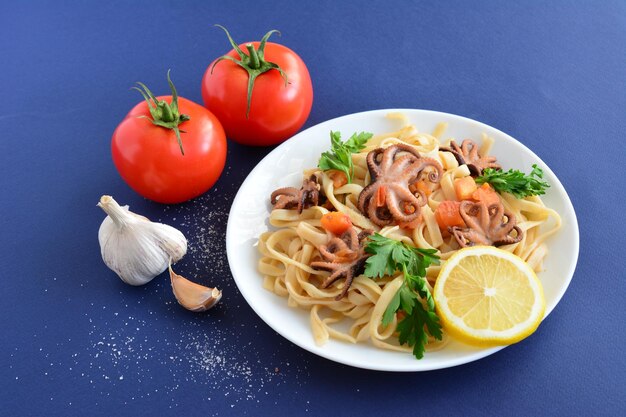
135	248
192	296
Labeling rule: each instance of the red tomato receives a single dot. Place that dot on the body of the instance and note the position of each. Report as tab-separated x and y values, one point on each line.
149	159
277	111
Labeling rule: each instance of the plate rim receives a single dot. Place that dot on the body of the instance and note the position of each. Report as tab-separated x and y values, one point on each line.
319	350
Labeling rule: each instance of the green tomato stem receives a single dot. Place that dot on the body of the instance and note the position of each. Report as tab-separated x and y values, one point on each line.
162	113
168	114
255	63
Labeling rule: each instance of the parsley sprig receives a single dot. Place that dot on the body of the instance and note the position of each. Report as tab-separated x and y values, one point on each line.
389	256
515	181
340	155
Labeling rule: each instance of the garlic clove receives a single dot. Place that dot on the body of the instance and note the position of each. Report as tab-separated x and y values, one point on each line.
192	296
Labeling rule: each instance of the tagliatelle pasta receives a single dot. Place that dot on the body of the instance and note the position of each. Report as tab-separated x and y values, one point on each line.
288	251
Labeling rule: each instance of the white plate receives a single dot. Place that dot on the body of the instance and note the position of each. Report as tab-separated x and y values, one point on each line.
283	167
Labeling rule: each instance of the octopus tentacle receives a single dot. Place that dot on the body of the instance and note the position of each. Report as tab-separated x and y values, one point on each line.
335	276
372	165
406	195
401	165
364	198
390	155
419	166
508	239
285	191
496	213
334	251
435	175
421	197
372	213
398	210
402	147
324	266
469	237
350	239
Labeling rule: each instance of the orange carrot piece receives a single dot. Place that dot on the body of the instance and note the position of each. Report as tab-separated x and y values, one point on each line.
464	188
448	215
485	194
336	222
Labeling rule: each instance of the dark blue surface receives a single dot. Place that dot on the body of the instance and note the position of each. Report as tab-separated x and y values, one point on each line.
76	341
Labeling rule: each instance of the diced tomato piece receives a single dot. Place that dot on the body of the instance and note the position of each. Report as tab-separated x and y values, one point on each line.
464	188
381	196
339	177
485	194
336	222
448	215
421	186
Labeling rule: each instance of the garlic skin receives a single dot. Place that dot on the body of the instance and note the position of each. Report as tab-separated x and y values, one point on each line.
135	248
192	296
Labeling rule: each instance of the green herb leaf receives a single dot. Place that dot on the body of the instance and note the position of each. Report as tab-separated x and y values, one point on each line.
418	283
340	155
389	256
515	181
381	263
407	299
391	309
411	329
357	141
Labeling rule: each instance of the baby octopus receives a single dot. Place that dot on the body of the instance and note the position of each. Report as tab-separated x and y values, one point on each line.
388	198
486	225
290	197
344	257
467	154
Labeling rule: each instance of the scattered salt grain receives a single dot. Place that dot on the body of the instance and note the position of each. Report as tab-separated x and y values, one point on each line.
210	353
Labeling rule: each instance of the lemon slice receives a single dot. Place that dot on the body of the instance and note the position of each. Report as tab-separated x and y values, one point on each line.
487	296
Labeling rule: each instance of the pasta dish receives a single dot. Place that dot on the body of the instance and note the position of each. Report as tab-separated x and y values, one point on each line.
423	190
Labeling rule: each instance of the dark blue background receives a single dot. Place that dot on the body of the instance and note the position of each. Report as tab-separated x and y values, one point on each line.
76	341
